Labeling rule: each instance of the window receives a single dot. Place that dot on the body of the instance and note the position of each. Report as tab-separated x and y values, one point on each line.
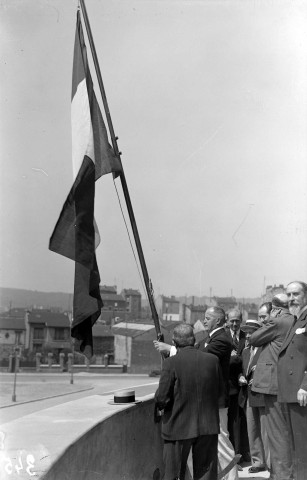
17	336
38	334
59	334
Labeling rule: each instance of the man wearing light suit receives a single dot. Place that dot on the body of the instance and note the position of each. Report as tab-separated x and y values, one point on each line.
270	337
292	377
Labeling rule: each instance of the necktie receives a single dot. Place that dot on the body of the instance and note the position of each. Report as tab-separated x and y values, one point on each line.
252	353
235	342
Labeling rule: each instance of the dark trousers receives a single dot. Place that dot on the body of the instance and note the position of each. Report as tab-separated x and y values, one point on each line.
237	427
279	439
296	418
204	456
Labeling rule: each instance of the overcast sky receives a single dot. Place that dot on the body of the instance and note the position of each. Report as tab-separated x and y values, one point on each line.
208	99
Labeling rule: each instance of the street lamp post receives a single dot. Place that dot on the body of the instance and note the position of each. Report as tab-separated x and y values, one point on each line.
72	364
15	376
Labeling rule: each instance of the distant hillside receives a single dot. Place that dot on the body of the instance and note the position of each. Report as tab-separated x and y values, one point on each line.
18	298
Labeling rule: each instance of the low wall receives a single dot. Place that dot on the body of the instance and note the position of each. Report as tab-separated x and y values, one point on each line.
126	445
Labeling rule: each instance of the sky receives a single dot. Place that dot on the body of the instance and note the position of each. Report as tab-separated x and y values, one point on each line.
208	99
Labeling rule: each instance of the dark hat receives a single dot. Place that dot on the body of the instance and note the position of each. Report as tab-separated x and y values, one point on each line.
124	397
250	325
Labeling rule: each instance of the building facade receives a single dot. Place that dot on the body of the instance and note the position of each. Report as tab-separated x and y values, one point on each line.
168	308
133	302
47	331
12	334
191	313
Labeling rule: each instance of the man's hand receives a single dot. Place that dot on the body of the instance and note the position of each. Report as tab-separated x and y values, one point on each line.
302	397
242	380
162	347
234	353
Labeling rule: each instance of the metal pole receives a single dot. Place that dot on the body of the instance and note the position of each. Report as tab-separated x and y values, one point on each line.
122	176
72	365
15	377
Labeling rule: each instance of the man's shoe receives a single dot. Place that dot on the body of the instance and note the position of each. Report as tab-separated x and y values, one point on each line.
256	469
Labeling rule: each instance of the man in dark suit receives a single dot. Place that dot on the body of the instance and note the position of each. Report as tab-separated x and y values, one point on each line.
188	393
237	426
270	337
292	377
218	343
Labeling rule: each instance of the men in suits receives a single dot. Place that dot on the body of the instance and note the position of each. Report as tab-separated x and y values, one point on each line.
292	377
218	343
270	337
253	403
237	427
188	394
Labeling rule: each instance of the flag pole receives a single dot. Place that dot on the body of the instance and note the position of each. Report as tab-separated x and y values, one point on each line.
137	240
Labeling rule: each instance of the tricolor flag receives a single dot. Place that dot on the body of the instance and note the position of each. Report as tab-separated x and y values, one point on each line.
76	235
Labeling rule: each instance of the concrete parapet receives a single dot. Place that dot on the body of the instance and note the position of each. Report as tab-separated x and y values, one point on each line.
125	445
86	439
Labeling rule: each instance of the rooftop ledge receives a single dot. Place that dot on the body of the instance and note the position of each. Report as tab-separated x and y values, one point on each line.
86	439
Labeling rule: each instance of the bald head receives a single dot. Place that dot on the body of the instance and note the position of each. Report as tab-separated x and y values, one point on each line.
234	319
279	305
280	300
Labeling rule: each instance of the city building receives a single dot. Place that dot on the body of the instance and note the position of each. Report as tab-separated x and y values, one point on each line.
271	290
114	305
191	313
103	342
168	308
47	331
133	346
226	303
12	333
133	301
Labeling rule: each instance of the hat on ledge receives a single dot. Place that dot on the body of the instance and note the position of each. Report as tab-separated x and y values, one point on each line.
124	397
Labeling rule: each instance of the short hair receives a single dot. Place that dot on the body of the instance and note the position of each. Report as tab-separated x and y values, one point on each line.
302	284
183	335
237	312
219	313
267	305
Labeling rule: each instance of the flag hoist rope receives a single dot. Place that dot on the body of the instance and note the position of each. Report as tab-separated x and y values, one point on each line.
147	281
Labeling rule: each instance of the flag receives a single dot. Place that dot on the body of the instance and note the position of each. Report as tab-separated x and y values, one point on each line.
76	234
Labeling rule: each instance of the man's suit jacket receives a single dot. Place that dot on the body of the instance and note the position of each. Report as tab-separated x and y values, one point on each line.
235	365
292	361
189	389
248	370
270	336
220	345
